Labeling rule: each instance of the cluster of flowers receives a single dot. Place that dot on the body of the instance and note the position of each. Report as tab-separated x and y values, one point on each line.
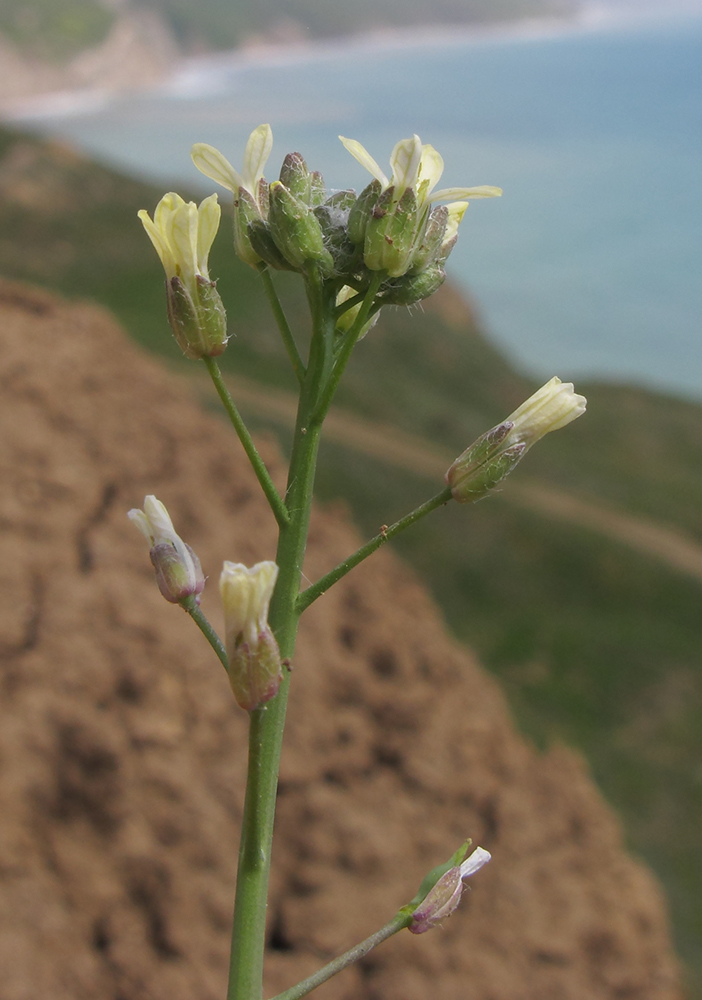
395	226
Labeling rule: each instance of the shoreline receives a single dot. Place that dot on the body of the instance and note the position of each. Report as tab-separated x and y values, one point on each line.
192	74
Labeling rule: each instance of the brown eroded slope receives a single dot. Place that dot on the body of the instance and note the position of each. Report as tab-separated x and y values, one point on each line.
122	754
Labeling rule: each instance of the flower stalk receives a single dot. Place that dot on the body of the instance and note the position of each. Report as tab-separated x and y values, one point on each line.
354	255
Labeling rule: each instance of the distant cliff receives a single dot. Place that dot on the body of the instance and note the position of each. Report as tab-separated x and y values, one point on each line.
116	44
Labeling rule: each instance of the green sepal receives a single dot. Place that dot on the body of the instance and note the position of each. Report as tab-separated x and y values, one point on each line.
430	880
245	212
408	289
199	325
360	212
295	176
478	483
262	244
390	233
296	230
428	244
318	191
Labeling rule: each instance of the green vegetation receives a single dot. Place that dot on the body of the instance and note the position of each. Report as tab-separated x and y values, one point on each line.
595	644
54	29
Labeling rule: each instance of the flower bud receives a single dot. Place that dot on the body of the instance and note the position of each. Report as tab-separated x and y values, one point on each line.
318	191
178	571
182	235
295	176
348	318
255	670
360	213
493	456
410	288
296	230
390	233
444	897
262	244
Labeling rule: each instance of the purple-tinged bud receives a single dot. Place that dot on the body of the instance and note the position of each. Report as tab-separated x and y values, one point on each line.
444	897
178	570
493	456
255	668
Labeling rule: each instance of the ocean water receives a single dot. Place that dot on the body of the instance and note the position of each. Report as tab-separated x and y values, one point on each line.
590	265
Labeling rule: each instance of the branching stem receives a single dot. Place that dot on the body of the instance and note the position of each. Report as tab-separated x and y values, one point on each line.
398	922
274	498
384	535
283	325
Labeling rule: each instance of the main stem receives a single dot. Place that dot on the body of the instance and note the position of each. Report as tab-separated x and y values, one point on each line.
267	722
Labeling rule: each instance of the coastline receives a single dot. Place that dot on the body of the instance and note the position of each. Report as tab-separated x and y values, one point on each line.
192	76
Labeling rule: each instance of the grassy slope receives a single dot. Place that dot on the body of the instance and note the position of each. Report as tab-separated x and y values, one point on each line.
595	644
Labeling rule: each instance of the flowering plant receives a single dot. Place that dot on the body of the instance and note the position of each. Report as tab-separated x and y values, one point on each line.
355	254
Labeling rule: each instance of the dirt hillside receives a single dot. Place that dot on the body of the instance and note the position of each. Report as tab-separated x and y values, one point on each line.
122	754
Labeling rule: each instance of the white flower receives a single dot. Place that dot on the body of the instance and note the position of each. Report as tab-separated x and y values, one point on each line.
487	461
443	898
178	569
474	863
214	165
416	166
183	235
255	669
551	407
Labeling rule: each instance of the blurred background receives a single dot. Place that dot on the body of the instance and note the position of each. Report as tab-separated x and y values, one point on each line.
581	586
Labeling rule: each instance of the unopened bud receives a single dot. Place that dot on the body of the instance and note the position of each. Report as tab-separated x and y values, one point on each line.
348	318
295	176
259	235
391	232
255	669
178	571
444	897
296	230
493	456
360	212
410	288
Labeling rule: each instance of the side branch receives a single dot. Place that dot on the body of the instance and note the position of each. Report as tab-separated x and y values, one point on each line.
192	607
317	589
283	325
274	498
398	922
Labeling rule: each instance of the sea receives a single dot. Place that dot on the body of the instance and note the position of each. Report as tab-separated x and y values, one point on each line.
588	267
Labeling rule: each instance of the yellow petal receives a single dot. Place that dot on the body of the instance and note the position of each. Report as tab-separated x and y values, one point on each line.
461	194
365	159
258	149
210	162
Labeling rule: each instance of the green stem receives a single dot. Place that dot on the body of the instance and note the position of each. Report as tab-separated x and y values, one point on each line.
274	498
193	609
348	345
267	722
398	922
283	325
317	589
